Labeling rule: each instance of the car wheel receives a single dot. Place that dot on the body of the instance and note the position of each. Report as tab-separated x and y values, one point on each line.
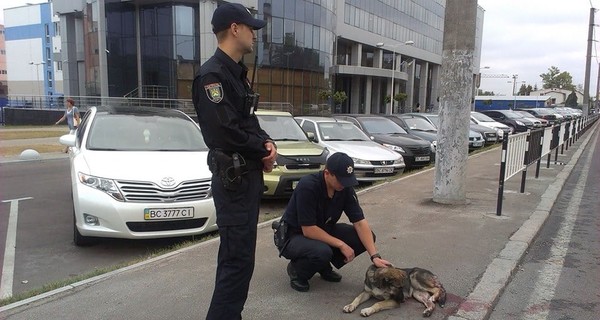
80	240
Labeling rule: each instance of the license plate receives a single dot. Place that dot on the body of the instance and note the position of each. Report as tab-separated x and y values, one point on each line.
294	185
170	213
477	144
425	158
384	170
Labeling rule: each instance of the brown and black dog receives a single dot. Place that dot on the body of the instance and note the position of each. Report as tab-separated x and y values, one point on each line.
392	285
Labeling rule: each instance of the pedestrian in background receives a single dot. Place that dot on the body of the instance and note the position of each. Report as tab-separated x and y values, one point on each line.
71	115
418	108
239	151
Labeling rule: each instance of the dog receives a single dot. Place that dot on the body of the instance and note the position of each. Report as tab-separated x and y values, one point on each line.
392	285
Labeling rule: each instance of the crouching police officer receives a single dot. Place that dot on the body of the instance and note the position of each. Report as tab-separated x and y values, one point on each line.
314	238
239	151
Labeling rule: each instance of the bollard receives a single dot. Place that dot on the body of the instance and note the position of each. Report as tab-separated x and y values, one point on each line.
502	174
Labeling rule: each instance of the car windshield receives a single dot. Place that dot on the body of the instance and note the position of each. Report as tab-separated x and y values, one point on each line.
129	132
419	124
341	131
434	119
381	126
481	117
525	114
282	128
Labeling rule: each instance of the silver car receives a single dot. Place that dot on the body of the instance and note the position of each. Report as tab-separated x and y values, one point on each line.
372	161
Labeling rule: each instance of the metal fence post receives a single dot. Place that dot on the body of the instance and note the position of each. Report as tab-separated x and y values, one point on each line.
502	173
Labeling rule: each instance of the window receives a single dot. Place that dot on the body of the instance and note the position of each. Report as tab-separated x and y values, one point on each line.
48	55
59	65
57	28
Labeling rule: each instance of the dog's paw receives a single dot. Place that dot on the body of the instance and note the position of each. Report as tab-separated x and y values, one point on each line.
367	312
427	313
349	308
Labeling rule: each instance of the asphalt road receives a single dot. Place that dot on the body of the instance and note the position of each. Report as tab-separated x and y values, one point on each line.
558	278
44	250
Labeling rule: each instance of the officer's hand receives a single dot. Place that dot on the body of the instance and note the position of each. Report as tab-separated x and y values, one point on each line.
269	160
348	252
380	263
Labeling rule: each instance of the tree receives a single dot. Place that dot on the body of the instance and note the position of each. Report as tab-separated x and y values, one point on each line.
339	97
399	97
324	95
571	101
554	78
485	93
525	90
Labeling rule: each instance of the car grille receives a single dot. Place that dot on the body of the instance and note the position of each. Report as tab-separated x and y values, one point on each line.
383	163
303	166
151	226
418	150
474	139
141	191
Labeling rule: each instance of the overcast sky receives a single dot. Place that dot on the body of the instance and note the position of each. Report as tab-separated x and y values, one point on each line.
523	37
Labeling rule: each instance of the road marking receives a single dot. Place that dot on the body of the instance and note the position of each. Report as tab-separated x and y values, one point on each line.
539	302
8	266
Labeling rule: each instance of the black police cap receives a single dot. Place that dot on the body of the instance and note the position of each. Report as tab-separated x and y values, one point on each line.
229	13
342	167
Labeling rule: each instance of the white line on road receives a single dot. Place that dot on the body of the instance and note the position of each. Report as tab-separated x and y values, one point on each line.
8	266
538	307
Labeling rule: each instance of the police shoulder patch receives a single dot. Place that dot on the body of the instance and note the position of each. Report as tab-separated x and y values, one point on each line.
214	92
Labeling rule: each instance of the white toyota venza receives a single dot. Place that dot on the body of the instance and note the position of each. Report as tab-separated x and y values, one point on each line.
139	173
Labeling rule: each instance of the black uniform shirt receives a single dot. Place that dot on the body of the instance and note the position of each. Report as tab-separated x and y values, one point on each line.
310	205
228	123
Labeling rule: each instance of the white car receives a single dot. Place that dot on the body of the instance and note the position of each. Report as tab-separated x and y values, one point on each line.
139	173
483	120
372	161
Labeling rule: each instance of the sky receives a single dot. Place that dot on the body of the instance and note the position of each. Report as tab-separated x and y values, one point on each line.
523	37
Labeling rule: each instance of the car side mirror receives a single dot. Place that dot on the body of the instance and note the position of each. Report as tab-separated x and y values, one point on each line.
311	136
67	140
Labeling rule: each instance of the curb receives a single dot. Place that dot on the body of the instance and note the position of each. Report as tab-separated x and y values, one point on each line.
105	276
480	302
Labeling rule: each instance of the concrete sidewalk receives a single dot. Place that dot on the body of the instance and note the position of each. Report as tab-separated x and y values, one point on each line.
461	244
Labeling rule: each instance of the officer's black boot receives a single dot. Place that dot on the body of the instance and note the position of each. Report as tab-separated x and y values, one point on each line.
329	275
295	282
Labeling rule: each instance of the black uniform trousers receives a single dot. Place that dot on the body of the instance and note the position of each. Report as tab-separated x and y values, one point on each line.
237	217
309	256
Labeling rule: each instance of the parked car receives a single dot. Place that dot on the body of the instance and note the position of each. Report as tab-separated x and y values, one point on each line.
483	120
490	136
476	140
416	126
297	156
372	161
545	113
415	151
138	173
511	119
537	122
566	112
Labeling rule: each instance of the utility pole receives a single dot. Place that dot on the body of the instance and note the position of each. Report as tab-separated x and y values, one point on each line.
588	64
456	82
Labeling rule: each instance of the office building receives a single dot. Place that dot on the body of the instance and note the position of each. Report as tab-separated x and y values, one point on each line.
149	48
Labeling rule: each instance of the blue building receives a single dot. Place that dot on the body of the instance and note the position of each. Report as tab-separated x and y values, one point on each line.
32	42
483	103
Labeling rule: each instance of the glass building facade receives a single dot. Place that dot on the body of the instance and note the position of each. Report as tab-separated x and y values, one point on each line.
306	47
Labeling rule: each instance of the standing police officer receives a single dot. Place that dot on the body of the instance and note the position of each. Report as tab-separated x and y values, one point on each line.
239	151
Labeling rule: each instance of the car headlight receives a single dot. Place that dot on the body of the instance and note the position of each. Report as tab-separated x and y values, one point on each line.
433	145
519	123
361	161
106	185
399	161
393	147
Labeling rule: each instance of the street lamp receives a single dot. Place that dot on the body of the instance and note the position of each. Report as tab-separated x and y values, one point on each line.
380	45
37	74
514	76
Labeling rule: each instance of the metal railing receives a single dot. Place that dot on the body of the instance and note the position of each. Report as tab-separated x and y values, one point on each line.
522	150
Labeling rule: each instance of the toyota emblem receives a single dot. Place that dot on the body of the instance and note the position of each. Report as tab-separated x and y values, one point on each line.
167	181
